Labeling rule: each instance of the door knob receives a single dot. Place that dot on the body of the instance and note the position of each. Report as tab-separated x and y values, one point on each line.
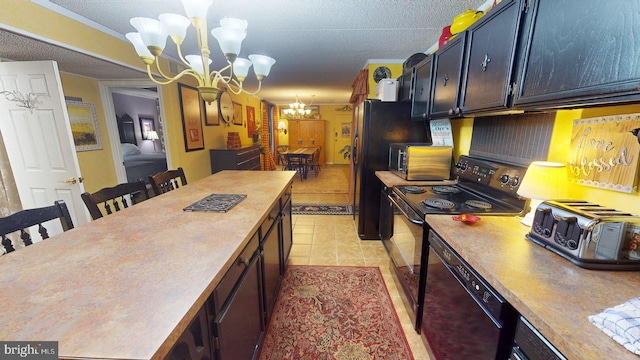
72	180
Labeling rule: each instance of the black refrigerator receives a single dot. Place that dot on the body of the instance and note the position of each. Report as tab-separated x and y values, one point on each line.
378	124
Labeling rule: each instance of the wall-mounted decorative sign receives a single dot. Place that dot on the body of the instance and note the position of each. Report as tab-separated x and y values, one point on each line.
346	130
191	117
84	126
604	152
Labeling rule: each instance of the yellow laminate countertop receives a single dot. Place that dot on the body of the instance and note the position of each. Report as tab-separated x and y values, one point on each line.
555	295
126	286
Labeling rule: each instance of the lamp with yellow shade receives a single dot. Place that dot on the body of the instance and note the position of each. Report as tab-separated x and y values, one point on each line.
543	181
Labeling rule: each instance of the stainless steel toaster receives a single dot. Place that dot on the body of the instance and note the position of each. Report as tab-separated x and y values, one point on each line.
587	234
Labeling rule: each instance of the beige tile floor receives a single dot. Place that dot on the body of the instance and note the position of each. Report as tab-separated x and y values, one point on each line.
332	240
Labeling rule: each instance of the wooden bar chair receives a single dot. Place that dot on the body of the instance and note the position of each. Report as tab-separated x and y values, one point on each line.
23	220
117	197
166	181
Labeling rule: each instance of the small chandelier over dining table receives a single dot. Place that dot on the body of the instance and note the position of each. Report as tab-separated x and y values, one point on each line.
152	35
297	110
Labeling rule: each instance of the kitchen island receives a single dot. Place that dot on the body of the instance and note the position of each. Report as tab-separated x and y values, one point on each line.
555	295
126	286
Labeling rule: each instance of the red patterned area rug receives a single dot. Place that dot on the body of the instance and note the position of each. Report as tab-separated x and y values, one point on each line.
334	312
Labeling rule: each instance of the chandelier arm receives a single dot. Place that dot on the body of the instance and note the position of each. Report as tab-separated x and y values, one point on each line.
184	61
168	79
218	74
243	90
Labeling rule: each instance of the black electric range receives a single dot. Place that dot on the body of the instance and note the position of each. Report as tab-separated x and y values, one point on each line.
483	187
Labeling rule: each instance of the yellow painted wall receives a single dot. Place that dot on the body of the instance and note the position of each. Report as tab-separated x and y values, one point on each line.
92	163
559	151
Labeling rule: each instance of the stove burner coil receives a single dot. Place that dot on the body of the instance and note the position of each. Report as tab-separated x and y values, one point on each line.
441	204
444	190
478	204
411	189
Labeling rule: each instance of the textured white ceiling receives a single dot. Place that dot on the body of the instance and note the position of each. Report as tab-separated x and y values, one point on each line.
319	45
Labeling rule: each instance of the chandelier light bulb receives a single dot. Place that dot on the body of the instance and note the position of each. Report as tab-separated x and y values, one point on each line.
153	33
176	25
196	9
195	62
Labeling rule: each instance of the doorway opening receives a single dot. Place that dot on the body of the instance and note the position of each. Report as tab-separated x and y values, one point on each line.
143	155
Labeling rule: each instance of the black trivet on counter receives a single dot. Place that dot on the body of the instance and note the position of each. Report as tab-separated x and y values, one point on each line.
216	203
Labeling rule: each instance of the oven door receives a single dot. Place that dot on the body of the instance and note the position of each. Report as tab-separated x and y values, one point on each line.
463	318
403	242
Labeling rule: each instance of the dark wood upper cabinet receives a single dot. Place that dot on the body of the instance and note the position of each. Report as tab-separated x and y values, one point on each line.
489	59
579	52
447	66
421	89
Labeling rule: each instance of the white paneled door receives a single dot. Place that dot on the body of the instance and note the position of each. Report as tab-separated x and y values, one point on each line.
39	142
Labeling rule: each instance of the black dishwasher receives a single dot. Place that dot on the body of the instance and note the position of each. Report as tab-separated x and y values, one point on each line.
529	344
463	317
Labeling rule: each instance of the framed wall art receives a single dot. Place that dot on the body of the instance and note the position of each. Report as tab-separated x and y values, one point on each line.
147	124
84	125
211	117
251	120
237	113
190	106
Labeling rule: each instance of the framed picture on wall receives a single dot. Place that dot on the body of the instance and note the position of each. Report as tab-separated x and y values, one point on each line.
190	106
251	120
211	117
146	125
84	125
237	113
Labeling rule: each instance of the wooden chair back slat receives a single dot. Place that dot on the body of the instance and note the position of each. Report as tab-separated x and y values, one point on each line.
23	220
166	181
115	196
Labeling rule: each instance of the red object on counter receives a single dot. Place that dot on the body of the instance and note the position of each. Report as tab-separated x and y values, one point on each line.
466	218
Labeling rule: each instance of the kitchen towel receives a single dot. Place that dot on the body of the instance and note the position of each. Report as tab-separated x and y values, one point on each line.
622	323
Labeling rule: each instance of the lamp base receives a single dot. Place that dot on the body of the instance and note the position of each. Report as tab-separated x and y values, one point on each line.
528	219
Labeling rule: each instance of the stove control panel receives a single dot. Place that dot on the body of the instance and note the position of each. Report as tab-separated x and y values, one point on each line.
499	176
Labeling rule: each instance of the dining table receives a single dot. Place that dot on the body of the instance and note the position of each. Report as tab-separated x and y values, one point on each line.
305	155
126	286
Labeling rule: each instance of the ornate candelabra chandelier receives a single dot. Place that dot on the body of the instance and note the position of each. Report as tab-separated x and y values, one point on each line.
152	35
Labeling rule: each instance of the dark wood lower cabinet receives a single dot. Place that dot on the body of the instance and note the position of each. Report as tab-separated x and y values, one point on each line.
272	276
232	322
238	329
194	342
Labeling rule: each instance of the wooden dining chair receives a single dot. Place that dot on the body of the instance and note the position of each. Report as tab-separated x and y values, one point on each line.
314	164
166	181
24	219
115	198
297	163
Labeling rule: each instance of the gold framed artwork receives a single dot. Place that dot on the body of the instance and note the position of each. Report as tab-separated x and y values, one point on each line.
211	117
237	113
251	120
190	107
84	125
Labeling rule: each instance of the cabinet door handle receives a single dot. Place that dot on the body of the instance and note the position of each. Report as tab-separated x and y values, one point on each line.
446	78
245	261
485	62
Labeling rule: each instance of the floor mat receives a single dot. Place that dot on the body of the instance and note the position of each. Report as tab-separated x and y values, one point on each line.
321	209
334	312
